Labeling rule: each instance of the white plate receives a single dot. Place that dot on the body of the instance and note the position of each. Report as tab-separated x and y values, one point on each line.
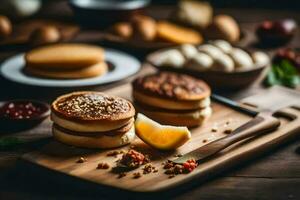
124	66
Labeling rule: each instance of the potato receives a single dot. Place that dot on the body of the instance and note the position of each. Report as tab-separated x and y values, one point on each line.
171	58
45	35
143	27
223	45
188	50
211	50
122	29
223	27
200	62
260	58
194	13
223	63
241	58
5	26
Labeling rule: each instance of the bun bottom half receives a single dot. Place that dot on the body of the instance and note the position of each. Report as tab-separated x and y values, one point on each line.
101	141
87	72
190	119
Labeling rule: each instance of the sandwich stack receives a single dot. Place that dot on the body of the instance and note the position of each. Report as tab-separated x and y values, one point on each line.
93	120
173	99
66	61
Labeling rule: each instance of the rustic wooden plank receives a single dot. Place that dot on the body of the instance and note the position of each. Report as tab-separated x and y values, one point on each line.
62	158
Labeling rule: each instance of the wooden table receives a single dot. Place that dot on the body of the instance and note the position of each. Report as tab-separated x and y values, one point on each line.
275	175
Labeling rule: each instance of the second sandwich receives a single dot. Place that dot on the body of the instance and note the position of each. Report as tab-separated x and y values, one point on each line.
173	99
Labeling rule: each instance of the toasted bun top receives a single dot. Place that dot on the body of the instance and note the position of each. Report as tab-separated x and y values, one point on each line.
65	55
88	105
173	86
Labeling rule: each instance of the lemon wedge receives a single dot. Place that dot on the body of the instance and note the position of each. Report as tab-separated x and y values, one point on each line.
159	136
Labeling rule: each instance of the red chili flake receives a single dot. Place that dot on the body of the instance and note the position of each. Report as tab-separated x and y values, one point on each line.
133	159
174	169
189	165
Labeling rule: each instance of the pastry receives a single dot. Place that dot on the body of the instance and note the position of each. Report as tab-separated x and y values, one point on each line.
177	34
97	69
93	120
64	56
172	98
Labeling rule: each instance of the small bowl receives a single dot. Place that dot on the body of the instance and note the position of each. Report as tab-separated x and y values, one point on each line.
15	124
103	13
218	80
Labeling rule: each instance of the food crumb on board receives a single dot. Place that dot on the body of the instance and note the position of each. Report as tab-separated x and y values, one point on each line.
81	160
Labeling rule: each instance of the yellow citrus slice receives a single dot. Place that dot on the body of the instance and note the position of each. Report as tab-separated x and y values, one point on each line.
160	136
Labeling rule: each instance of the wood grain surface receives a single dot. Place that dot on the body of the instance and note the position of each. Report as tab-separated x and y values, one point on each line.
62	158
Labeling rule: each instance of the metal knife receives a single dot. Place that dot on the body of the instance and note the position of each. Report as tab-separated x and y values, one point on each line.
260	124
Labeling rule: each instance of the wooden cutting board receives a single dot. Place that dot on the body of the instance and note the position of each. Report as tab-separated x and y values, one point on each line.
62	158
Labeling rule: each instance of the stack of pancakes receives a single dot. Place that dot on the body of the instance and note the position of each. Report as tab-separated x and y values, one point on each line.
66	61
173	99
93	120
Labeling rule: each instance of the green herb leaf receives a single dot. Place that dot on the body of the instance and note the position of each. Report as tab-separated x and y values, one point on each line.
283	74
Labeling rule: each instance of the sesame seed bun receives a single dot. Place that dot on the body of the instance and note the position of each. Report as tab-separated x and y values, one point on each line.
90	111
173	86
